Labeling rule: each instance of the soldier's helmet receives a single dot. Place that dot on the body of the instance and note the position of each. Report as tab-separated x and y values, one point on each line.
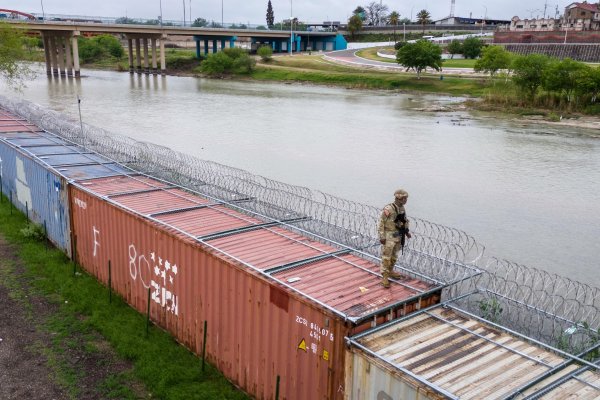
400	194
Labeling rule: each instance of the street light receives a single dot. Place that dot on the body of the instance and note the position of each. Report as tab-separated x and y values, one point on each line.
222	24
161	17
291	27
43	13
183	12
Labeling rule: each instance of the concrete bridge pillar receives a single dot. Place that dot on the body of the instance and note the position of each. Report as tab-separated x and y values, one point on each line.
222	44
76	54
61	55
54	56
154	63
163	61
138	55
214	46
69	56
205	46
46	41
130	52
145	44
197	49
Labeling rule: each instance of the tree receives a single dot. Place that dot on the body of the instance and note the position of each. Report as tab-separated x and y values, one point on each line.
11	52
270	15
361	12
376	13
265	52
472	47
588	83
528	71
455	47
493	59
125	21
419	56
200	22
562	76
355	25
423	18
393	19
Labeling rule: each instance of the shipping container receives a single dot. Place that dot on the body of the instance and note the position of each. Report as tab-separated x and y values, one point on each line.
446	353
35	167
583	384
277	304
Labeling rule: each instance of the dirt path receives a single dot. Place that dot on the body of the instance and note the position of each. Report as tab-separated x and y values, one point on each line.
38	363
23	371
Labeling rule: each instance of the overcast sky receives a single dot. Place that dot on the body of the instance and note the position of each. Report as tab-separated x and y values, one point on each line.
253	11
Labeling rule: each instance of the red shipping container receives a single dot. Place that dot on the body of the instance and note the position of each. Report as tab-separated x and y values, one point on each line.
273	307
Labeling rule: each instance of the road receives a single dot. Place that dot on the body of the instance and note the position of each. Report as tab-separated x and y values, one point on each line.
349	57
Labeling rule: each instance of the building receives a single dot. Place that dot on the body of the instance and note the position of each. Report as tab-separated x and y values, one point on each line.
536	24
581	17
577	17
470	21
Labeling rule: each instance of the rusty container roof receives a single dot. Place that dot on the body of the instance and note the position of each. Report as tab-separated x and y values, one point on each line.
330	274
462	357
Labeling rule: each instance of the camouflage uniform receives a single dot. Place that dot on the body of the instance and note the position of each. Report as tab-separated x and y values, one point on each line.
389	236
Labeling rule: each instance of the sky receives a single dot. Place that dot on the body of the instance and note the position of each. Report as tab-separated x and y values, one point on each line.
254	11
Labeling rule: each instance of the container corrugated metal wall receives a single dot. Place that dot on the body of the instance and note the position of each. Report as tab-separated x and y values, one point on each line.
442	353
256	329
32	186
288	324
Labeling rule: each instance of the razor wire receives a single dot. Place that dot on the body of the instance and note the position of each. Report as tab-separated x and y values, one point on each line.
553	309
556	310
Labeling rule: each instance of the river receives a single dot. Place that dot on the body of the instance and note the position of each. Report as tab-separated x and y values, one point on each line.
528	192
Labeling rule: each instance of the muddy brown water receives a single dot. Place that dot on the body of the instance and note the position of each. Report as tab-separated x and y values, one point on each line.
527	191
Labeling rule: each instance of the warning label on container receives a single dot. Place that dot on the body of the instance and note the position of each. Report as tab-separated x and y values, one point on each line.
318	338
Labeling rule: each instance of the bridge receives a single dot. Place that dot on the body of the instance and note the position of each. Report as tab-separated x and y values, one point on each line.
62	52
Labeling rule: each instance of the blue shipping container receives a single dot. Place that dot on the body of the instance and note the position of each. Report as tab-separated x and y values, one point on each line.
36	190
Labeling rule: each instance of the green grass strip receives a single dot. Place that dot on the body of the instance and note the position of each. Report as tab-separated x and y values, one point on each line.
167	369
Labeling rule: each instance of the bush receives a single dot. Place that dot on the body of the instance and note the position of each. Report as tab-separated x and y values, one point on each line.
399	45
99	47
472	47
228	61
217	64
265	52
34	231
235	52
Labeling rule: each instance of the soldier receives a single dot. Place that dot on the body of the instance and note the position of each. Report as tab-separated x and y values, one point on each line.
393	228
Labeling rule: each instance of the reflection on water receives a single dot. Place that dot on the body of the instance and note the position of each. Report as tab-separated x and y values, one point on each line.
528	192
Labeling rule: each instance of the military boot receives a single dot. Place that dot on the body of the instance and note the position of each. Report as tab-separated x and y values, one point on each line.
395	275
386	281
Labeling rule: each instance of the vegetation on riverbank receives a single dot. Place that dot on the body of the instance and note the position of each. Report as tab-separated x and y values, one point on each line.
166	369
312	69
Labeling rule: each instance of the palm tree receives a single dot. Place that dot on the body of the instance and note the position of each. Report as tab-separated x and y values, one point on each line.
423	17
393	18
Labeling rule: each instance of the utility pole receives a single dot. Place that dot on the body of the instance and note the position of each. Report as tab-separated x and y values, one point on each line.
183	12
291	27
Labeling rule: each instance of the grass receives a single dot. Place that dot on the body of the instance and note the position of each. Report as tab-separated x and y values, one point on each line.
166	369
312	69
371	54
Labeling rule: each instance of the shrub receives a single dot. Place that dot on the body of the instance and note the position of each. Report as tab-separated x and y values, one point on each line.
399	45
217	64
96	48
265	52
234	52
33	231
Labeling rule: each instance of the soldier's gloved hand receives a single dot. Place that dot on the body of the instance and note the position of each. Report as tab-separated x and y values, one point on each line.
408	235
382	241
